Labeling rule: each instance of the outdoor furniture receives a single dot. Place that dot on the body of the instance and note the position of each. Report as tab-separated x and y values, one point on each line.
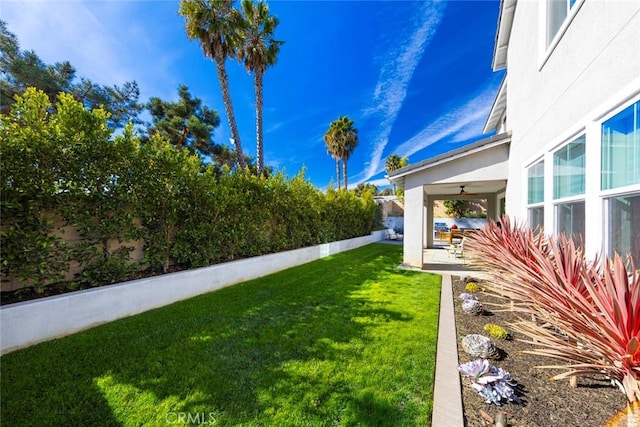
457	249
392	235
450	235
439	228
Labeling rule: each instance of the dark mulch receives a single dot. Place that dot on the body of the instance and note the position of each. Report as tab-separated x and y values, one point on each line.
29	293
545	402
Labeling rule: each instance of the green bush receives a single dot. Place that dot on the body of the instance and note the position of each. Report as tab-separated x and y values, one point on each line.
65	163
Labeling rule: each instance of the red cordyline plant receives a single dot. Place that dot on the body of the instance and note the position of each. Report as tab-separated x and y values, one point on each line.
585	313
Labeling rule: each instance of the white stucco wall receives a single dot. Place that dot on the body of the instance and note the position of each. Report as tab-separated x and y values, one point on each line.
593	69
414	217
30	322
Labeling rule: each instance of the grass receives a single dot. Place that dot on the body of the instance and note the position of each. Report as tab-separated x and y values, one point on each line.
346	340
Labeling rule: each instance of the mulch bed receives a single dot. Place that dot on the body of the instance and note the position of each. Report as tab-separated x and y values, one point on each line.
545	402
28	293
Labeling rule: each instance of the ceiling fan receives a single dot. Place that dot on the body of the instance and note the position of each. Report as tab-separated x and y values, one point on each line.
464	193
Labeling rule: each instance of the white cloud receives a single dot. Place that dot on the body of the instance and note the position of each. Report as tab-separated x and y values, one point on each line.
395	75
107	42
382	182
460	124
59	31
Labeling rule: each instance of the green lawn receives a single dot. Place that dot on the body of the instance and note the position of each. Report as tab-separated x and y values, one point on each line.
346	340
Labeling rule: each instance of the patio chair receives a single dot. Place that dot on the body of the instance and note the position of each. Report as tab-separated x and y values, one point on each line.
392	235
459	251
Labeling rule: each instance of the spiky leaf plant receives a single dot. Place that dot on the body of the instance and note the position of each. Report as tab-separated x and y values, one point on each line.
584	313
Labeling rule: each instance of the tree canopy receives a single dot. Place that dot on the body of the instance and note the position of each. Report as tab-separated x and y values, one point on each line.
214	24
22	69
341	139
185	123
395	162
258	49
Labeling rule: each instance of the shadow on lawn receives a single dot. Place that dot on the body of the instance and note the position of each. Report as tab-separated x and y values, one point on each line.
262	349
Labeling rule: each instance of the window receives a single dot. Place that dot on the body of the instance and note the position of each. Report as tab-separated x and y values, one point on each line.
557	12
535	218
570	220
624	226
536	183
621	149
569	181
568	169
535	195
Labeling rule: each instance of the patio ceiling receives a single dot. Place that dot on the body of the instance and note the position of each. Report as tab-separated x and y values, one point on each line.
475	188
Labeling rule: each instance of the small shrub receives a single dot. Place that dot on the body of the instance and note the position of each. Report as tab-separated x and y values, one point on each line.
496	331
472	287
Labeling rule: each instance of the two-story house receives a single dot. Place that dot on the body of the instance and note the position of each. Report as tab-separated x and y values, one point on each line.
565	156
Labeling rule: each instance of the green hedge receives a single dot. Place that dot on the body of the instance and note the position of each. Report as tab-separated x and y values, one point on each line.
66	163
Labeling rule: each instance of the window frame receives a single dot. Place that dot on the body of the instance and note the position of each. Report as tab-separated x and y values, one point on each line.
538	204
557	205
625	187
607	195
546	47
607	219
560	199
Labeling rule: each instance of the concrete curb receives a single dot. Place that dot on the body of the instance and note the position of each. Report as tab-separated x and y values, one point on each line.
447	393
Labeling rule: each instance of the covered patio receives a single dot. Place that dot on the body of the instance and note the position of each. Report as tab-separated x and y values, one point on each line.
476	171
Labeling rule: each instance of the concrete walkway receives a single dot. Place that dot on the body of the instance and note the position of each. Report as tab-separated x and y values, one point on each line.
447	394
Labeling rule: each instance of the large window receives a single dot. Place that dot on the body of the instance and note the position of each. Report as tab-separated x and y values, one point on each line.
624	226
557	12
535	195
621	149
568	169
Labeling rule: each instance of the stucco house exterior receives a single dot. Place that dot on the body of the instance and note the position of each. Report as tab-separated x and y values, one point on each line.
565	155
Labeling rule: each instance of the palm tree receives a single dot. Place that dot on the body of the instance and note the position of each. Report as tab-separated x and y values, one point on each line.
330	141
211	23
349	144
343	139
395	162
258	51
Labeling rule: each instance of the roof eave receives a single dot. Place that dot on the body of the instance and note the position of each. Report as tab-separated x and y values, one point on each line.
505	22
498	108
398	175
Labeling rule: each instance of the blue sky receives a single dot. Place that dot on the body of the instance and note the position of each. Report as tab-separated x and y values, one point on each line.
414	76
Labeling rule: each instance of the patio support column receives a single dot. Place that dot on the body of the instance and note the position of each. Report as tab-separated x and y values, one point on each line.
429	222
492	207
414	221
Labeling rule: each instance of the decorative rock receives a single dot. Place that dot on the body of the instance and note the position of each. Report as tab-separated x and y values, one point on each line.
479	346
472	306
